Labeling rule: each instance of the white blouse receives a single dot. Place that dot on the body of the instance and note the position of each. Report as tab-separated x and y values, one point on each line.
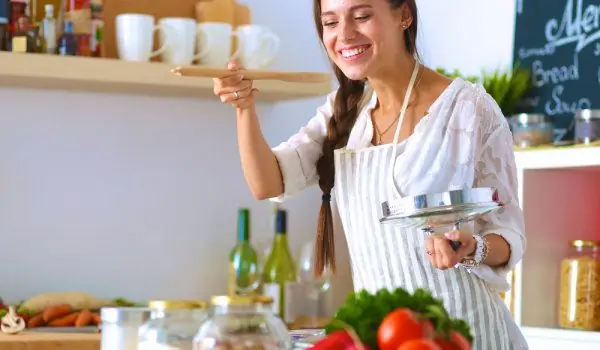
464	141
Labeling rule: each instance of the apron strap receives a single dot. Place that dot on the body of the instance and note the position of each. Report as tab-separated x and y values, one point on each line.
401	119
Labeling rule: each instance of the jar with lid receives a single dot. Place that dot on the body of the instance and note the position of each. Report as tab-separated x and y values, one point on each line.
531	130
587	126
579	301
172	325
120	327
242	322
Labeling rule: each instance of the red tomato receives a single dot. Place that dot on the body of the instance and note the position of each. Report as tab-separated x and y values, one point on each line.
400	326
456	342
339	340
419	344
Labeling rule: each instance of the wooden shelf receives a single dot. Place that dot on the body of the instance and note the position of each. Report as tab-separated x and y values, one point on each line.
558	158
109	75
560	339
553	184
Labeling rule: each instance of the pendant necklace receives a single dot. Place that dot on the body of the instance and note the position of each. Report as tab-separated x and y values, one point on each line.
381	133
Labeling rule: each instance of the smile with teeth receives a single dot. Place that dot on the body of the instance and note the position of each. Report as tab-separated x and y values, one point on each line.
354	52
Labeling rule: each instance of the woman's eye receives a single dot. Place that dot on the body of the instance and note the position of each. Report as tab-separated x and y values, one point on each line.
329	23
362	18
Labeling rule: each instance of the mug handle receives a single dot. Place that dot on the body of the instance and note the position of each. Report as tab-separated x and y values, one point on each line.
207	43
163	47
238	50
273	43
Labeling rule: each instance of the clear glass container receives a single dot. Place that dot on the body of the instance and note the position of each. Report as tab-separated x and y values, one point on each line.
242	323
579	302
587	127
172	325
531	130
509	296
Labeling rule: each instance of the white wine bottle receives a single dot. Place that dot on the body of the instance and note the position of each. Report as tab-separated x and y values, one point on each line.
244	275
279	270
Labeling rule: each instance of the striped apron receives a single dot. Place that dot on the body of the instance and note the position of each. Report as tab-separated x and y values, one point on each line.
385	256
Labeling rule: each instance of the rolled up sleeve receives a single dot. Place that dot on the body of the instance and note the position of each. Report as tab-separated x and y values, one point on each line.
495	167
298	156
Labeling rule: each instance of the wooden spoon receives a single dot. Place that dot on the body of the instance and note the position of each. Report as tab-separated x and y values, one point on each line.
253	74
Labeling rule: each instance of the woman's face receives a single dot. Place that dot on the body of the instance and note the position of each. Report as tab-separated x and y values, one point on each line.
362	36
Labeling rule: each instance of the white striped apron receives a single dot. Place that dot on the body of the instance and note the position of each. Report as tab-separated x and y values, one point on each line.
385	256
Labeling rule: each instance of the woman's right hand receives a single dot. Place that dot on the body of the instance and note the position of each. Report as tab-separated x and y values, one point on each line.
233	89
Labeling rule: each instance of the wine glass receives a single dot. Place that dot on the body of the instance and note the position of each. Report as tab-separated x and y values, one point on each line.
312	284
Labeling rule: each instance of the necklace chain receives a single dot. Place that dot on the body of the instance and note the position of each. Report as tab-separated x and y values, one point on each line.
381	133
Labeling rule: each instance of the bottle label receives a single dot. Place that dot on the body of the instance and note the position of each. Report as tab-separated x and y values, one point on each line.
274	291
231	281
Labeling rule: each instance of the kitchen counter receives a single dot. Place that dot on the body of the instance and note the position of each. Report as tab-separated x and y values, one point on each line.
49	341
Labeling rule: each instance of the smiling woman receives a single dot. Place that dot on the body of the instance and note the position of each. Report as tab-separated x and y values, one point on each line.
396	128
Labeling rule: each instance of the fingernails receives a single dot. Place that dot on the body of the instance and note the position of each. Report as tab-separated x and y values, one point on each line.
449	234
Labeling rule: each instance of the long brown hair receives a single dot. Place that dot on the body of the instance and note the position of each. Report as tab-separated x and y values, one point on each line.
345	111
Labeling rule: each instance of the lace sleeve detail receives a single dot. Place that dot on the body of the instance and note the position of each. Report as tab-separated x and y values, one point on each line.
495	167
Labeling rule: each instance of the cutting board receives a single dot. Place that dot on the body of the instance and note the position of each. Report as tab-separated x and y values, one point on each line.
49	341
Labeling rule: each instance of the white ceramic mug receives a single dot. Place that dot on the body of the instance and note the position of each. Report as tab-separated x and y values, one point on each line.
216	36
179	35
258	45
135	37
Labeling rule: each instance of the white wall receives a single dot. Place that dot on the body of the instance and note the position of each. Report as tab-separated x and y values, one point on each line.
135	196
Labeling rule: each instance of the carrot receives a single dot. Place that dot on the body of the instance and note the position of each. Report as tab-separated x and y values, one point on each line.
36	321
65	321
57	311
84	319
96	319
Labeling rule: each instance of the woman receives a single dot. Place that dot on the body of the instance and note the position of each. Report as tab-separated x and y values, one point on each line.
449	134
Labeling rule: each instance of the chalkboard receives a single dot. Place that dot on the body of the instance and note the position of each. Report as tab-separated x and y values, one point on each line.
559	42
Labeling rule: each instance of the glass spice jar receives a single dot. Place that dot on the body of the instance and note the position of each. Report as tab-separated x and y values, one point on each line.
509	296
579	301
172	325
243	323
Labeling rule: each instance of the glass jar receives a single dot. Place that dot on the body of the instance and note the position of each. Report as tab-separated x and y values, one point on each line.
509	296
579	306
120	327
172	325
531	130
587	126
242	323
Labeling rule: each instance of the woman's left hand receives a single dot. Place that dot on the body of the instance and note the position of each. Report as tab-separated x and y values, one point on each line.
440	253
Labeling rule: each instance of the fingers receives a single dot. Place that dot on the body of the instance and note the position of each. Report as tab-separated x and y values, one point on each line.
466	240
443	252
233	89
440	253
430	250
243	89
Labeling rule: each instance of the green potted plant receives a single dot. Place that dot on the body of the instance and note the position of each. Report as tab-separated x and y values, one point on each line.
507	87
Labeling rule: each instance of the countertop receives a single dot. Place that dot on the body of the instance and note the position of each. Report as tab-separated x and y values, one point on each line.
49	341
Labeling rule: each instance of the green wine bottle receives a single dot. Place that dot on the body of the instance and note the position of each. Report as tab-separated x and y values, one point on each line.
244	274
280	269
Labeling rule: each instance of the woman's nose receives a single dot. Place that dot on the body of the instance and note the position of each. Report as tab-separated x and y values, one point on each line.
347	30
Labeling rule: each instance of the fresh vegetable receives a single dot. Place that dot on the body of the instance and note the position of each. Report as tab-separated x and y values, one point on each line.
419	344
65	321
400	326
364	312
338	340
453	341
36	321
84	319
57	311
